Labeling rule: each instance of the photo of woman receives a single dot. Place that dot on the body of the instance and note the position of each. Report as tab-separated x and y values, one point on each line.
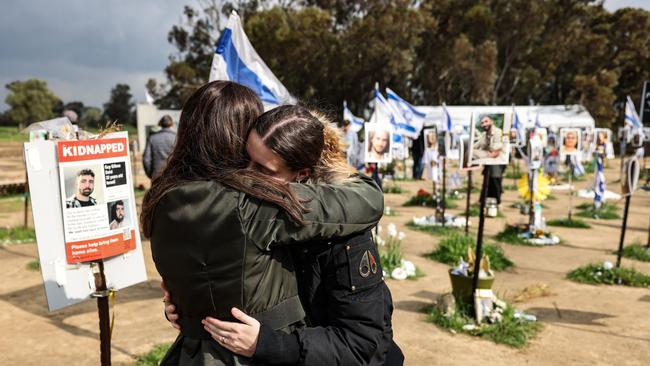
570	142
378	142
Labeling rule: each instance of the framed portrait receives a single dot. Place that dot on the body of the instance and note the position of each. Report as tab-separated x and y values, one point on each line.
377	143
603	142
587	143
535	152
431	138
570	142
490	138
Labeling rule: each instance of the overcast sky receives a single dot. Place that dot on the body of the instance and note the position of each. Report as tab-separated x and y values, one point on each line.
84	47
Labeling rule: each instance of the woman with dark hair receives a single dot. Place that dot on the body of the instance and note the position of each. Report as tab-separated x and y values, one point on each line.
217	225
349	312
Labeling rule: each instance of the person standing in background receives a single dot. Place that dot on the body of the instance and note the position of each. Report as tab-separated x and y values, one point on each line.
159	146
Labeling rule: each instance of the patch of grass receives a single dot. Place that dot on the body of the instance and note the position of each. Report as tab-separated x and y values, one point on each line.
510	235
510	187
418	274
34	265
511	175
511	331
394	188
8	133
551	197
464	190
153	357
573	223
454	246
636	251
17	235
427	201
433	230
597	274
606	211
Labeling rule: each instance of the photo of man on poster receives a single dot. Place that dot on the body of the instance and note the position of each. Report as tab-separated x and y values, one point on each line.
84	188
117	215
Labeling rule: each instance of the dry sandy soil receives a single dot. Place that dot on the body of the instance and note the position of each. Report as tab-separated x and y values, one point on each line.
583	324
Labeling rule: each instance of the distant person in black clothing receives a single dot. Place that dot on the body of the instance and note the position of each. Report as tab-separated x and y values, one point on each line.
159	147
84	187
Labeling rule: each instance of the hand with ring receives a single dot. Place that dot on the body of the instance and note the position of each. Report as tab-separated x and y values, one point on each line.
239	338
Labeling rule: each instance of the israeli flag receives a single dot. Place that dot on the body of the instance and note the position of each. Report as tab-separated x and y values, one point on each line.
385	113
446	124
599	184
356	122
578	168
236	60
632	120
410	115
520	131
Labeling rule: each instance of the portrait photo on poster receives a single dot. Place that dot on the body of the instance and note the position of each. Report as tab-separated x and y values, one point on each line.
119	216
535	152
490	138
430	138
587	143
569	142
603	142
378	138
84	185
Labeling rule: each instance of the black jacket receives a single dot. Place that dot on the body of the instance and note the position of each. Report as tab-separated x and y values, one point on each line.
348	307
216	248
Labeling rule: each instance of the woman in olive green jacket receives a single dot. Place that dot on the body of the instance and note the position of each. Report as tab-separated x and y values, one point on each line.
217	228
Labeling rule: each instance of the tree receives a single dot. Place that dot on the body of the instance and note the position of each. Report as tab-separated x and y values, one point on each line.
91	117
120	106
30	101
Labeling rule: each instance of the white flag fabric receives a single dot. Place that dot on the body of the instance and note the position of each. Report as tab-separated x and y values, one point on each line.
520	131
412	118
236	60
385	113
148	97
356	122
446	124
632	120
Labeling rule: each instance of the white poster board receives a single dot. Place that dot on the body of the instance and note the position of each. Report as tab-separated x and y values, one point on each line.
68	281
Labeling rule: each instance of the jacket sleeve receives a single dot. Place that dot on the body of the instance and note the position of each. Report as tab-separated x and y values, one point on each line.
334	211
358	331
147	158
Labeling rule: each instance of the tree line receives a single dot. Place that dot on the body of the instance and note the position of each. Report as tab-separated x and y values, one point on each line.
483	52
32	101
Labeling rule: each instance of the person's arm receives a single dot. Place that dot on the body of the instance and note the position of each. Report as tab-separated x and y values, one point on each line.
147	158
334	211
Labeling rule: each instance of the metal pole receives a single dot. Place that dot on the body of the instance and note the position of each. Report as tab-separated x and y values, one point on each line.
570	185
623	228
26	196
103	311
467	204
531	213
479	238
444	188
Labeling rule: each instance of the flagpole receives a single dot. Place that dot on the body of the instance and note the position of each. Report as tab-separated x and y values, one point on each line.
479	239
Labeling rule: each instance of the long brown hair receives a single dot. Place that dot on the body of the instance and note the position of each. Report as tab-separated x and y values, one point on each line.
211	145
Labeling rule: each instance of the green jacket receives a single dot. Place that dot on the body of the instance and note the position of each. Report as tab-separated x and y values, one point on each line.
216	248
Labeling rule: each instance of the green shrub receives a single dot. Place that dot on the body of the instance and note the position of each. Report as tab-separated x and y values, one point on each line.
153	357
511	331
597	274
433	230
636	251
454	246
18	234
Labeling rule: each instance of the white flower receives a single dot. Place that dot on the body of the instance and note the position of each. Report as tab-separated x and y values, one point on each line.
399	274
408	267
379	229
392	229
380	241
401	236
387	210
607	265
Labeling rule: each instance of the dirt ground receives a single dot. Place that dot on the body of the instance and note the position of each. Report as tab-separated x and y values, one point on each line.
583	324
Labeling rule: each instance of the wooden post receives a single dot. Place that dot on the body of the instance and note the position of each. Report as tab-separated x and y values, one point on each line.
479	238
444	188
468	203
26	206
101	292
